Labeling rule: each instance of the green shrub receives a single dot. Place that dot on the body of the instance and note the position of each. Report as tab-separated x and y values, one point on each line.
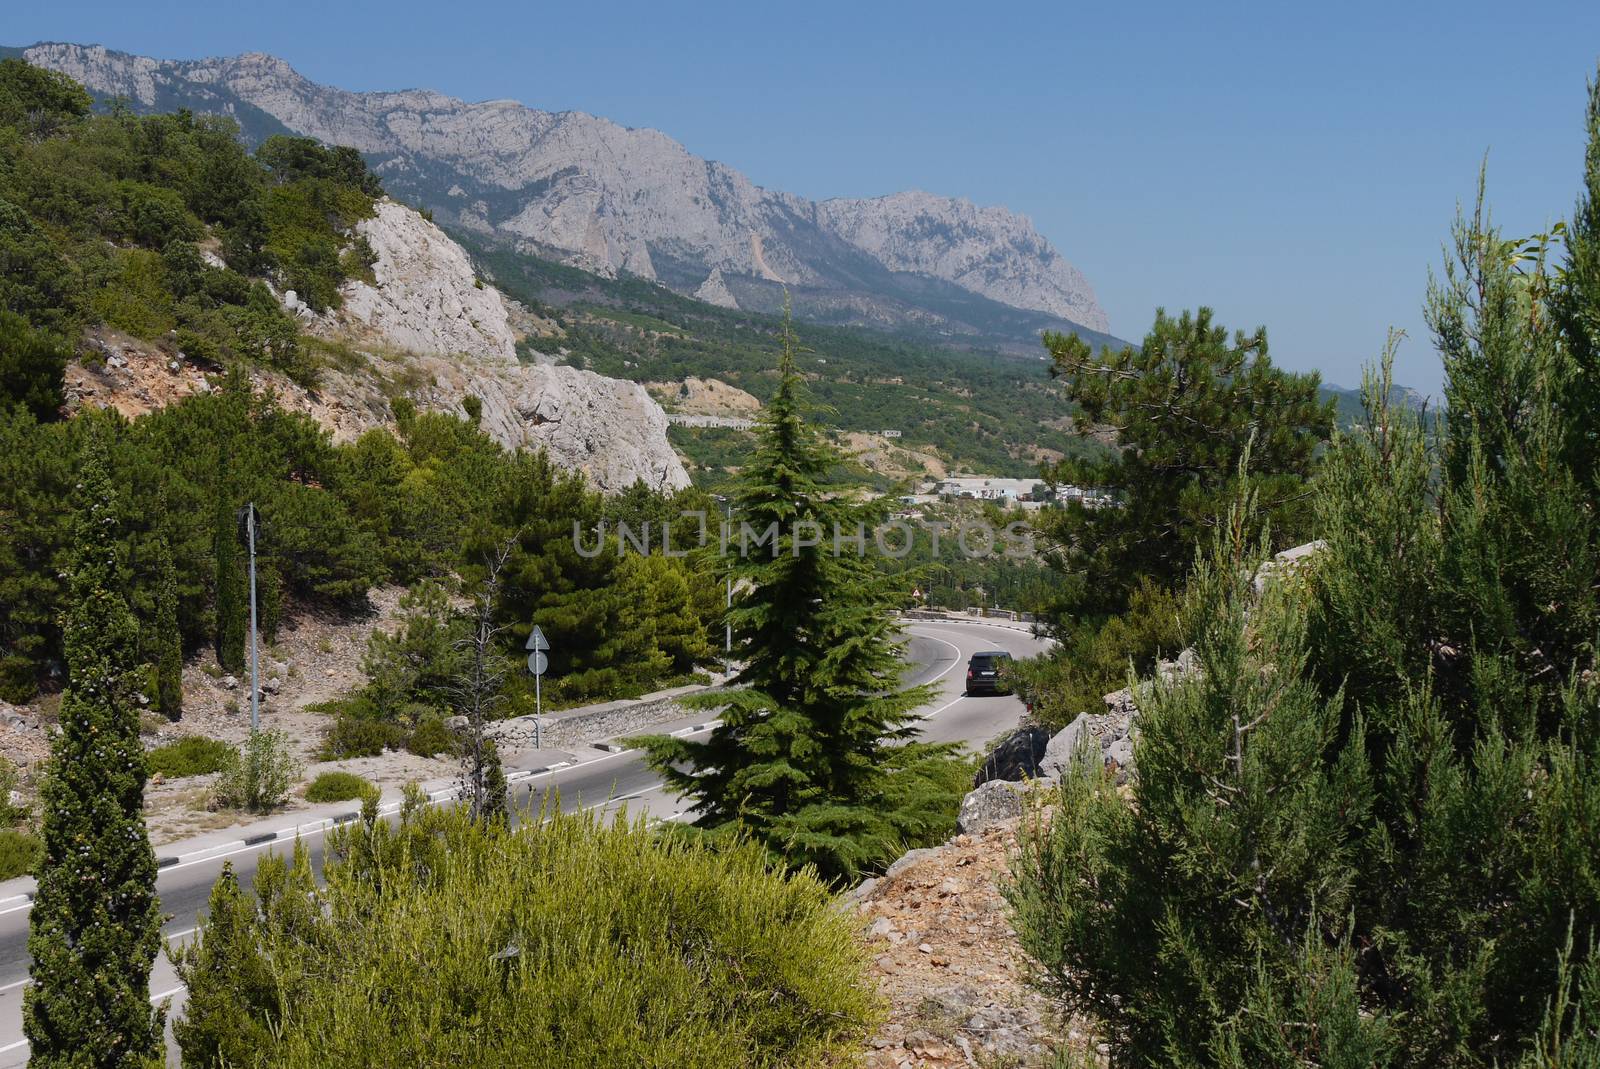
446	941
1094	660
17	679
195	755
339	787
360	736
431	737
20	851
9	781
258	776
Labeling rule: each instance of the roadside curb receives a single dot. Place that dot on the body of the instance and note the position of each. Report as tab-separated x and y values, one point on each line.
322	824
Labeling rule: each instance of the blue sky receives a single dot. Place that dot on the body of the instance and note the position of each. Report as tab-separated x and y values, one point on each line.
1288	164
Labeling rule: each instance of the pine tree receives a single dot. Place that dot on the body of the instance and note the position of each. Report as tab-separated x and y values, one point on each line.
230	590
168	638
1187	406
812	756
95	927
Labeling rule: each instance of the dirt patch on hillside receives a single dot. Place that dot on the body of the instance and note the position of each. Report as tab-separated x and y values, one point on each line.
947	960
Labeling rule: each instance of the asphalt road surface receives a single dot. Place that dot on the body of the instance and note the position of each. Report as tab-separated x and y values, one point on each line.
937	652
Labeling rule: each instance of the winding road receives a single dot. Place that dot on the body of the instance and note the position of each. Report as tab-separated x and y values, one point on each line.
937	652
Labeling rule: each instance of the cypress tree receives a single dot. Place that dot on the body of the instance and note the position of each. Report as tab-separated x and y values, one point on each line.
168	637
812	756
95	929
230	590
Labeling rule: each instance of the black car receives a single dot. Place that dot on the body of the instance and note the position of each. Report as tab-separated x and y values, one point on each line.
989	673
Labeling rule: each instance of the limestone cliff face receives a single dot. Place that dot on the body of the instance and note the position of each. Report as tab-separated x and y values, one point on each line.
457	334
431	330
612	199
425	298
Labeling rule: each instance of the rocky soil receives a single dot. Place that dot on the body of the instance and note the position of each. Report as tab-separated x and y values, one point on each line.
704	397
948	963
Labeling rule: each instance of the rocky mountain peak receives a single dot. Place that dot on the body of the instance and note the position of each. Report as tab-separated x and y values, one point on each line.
615	200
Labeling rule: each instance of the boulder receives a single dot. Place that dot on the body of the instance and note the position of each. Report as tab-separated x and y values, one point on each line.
1016	758
1062	748
1119	757
907	859
1286	563
995	801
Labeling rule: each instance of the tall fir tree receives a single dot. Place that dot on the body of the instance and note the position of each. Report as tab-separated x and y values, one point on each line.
168	637
812	756
95	928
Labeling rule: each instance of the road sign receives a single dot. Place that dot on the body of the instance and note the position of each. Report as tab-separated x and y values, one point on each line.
538	663
536	640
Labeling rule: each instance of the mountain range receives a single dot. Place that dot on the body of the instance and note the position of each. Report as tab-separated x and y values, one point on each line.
616	201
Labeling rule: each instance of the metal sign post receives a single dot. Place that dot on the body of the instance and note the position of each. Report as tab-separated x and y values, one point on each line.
538	664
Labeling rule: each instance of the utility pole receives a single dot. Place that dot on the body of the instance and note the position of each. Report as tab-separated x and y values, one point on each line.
255	681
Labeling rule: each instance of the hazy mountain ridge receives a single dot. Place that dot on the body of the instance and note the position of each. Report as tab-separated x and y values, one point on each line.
610	199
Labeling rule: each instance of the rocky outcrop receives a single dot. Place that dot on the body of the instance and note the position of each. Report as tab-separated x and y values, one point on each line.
714	290
989	251
994	802
705	397
612	200
610	429
949	966
1016	757
426	298
434	332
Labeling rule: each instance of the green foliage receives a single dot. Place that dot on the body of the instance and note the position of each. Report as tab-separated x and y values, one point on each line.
38	102
100	216
1187	408
193	755
31	367
1369	832
95	925
17	679
338	787
10	781
811	757
448	940
431	738
358	735
1075	675
20	853
226	974
167	638
421	662
231	591
259	775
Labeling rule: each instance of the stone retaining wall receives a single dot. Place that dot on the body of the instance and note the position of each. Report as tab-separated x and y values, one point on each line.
567	731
